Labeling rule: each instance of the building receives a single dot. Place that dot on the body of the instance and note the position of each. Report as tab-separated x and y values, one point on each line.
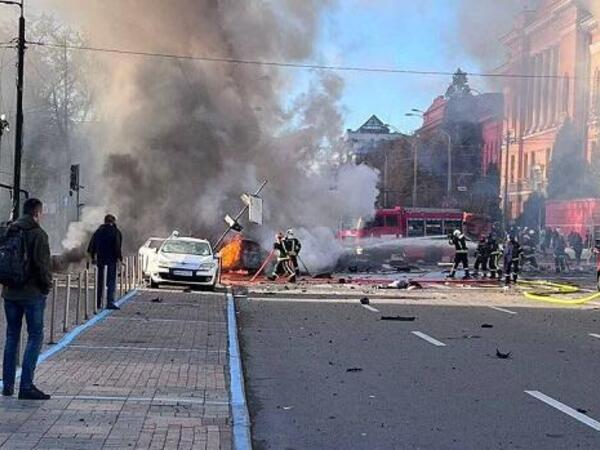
459	142
557	47
365	139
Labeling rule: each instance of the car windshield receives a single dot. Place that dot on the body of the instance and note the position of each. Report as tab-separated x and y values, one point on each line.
186	247
155	243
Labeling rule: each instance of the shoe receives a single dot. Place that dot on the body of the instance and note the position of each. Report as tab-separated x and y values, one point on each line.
112	306
8	391
33	393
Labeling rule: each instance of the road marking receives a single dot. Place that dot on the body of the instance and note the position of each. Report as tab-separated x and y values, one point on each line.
198	401
428	339
508	311
370	308
595	335
566	409
152	349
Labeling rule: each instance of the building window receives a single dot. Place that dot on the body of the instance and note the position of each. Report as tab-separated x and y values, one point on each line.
512	169
526	166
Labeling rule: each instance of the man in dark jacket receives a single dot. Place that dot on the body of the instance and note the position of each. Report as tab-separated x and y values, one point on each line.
29	300
105	251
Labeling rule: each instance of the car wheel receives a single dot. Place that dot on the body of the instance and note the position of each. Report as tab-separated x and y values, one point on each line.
154	285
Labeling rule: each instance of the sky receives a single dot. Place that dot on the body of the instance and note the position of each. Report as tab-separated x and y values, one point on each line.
403	34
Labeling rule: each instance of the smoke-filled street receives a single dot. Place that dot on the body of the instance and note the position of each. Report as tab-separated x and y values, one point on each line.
330	373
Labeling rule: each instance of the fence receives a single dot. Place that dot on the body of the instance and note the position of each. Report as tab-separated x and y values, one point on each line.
80	290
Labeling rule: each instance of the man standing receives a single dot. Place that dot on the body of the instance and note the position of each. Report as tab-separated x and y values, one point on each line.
105	252
512	258
293	247
25	297
482	257
461	256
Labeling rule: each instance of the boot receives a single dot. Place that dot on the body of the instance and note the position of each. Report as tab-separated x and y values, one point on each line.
8	391
32	393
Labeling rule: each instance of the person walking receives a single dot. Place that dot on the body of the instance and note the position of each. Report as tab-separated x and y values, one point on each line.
105	252
25	292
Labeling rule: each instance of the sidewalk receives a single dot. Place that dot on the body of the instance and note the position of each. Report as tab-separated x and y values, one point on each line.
153	375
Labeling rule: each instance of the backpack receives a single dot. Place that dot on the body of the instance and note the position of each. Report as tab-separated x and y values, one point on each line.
14	258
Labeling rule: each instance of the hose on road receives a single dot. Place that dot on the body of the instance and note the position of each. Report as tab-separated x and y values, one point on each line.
551	289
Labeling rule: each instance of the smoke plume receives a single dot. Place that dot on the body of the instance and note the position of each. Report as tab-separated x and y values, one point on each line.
183	139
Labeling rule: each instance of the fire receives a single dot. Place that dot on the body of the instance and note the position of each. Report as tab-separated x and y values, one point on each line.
232	254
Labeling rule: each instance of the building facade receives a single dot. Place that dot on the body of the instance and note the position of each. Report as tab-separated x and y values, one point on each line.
557	49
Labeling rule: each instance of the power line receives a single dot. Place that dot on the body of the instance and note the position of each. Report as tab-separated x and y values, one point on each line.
291	65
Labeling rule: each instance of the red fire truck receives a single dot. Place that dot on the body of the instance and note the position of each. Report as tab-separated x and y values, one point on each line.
403	222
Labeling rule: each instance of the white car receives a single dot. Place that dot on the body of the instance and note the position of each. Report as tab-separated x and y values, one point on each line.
148	253
185	261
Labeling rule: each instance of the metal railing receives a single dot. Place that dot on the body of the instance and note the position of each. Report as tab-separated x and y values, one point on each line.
74	288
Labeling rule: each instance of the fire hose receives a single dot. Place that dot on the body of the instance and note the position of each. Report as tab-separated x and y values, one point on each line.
552	289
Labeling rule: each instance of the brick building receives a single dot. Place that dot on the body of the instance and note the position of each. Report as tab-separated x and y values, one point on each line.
558	43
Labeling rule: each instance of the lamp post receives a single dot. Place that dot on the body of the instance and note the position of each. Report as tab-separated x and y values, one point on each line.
19	119
4	126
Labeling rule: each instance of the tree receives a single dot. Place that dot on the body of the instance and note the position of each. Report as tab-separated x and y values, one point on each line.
534	211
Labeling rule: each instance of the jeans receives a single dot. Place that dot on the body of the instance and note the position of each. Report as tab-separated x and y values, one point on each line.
33	311
111	283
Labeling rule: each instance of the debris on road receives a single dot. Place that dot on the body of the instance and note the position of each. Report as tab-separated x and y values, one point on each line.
501	355
364	301
404	284
354	369
582	411
487	325
157	300
399	318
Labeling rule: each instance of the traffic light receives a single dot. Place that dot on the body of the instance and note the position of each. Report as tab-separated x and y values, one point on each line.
74	179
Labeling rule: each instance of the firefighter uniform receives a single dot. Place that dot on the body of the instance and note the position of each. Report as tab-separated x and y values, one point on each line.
292	247
495	254
283	266
512	260
482	256
461	255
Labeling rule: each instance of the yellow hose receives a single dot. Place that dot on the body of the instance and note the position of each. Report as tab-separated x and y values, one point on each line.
556	288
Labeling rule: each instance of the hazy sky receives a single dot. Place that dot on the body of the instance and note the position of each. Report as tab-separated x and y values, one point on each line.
405	34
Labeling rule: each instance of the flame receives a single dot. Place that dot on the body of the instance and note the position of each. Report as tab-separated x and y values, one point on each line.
231	254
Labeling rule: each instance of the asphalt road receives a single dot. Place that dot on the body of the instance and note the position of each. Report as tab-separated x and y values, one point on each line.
406	392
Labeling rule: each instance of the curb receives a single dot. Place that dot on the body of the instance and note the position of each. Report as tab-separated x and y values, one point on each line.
70	336
239	409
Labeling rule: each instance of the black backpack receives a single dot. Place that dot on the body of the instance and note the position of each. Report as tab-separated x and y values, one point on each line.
14	258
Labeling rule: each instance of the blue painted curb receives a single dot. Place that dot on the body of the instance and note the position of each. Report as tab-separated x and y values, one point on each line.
239	408
70	336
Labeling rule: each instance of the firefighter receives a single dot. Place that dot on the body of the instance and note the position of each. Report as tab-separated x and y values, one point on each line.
461	255
495	255
561	262
482	256
528	250
283	266
596	251
512	259
292	247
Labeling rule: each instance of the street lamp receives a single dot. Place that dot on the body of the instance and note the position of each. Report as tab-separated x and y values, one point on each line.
19	118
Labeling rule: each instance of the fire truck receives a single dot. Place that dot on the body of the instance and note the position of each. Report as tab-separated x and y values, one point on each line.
402	222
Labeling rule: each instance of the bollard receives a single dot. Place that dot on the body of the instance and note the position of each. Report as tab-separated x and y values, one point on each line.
120	263
127	286
53	310
95	289
86	281
67	300
79	295
104	290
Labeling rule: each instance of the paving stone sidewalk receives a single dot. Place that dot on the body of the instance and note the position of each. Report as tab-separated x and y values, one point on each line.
151	376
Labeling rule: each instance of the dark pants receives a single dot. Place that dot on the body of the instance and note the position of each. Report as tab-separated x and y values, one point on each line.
481	262
33	310
511	269
111	283
460	258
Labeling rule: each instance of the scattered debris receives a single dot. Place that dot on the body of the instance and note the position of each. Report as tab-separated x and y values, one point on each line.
582	411
471	336
487	325
404	284
287	408
501	355
157	300
364	301
399	318
354	369
323	276
342	281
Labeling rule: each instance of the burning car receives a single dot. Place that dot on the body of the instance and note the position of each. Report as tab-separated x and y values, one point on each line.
184	261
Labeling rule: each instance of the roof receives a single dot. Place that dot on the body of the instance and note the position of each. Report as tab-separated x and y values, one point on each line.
373	126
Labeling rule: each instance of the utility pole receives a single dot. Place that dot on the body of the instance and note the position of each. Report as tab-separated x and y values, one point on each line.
415	170
506	180
19	121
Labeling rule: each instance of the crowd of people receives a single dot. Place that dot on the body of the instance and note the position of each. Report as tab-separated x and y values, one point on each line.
496	257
